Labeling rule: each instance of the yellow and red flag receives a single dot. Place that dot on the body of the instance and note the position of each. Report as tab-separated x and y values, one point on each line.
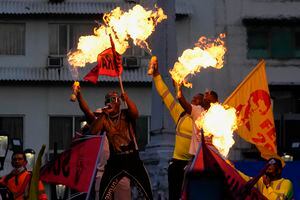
252	102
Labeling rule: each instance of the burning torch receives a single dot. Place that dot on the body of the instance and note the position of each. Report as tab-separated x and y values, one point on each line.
76	86
153	62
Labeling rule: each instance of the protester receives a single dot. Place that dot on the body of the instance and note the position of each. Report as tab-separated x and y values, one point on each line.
124	159
196	112
122	190
18	180
184	124
271	184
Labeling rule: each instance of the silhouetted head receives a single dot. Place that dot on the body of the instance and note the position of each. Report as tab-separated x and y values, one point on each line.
197	99
274	169
209	97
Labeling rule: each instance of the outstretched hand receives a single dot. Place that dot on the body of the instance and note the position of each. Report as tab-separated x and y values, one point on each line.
76	88
153	67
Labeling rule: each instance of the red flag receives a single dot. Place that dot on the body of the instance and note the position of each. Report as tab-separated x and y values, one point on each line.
74	167
106	65
209	164
109	64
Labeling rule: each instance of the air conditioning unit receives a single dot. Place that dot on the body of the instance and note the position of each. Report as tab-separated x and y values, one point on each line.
131	62
133	1
55	1
55	61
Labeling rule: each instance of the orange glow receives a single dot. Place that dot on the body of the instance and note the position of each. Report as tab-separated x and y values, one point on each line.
207	53
220	122
136	24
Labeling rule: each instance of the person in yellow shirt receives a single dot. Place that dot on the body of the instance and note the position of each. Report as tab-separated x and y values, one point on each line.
184	129
271	184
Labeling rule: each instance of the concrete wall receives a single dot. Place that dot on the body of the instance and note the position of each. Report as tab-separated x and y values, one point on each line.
230	16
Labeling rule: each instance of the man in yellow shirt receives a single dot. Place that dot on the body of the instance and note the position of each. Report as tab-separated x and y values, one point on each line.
184	129
271	184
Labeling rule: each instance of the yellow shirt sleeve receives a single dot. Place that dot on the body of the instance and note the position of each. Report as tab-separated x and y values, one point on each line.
167	97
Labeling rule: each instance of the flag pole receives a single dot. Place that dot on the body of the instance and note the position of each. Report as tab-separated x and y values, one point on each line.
121	84
115	62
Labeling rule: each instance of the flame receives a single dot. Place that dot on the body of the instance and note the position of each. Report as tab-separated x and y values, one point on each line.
220	122
207	53
136	24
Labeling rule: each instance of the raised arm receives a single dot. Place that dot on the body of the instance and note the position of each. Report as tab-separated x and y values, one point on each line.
132	109
182	100
171	103
85	108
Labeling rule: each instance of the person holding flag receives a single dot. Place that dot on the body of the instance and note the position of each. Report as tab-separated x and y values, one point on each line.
124	160
122	190
119	126
270	182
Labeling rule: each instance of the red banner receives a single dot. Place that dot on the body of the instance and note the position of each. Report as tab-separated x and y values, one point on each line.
74	167
209	163
106	65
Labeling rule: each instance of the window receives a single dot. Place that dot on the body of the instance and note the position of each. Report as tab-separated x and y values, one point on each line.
12	39
63	37
62	129
135	51
142	131
286	109
270	41
13	126
287	132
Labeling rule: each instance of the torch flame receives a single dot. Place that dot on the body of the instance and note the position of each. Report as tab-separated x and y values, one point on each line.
207	53
136	24
220	122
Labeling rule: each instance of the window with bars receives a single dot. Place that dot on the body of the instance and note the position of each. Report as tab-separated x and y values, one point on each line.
135	51
62	130
63	36
273	41
286	107
13	126
142	131
12	39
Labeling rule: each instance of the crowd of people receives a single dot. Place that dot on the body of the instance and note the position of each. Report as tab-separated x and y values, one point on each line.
120	165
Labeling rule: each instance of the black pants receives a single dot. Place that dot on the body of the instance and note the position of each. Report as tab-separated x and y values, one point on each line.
175	178
117	167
